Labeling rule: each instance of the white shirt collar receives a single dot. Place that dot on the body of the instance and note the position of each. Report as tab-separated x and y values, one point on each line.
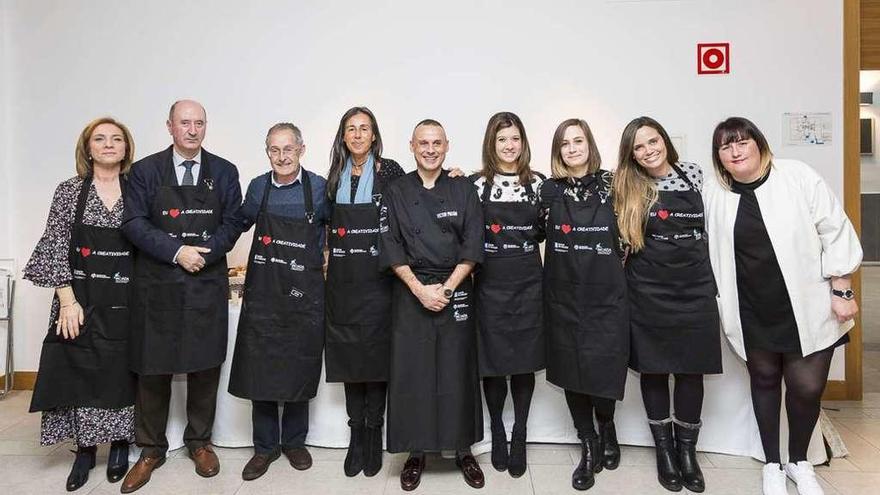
297	179
178	160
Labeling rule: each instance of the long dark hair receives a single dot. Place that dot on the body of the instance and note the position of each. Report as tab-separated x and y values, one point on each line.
339	153
503	120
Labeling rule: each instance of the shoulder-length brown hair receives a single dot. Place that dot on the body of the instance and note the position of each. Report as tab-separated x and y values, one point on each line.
558	168
503	120
339	153
83	157
634	189
737	129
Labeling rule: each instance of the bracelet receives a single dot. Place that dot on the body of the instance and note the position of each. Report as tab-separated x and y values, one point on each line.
69	305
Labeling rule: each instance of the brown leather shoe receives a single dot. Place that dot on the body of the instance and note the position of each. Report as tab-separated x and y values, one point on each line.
258	465
140	473
299	457
207	464
471	471
411	475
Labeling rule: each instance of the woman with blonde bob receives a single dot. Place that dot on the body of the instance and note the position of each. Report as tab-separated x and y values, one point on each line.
674	320
508	284
585	314
783	251
84	387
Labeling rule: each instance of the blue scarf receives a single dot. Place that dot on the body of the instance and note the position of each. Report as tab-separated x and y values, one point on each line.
364	192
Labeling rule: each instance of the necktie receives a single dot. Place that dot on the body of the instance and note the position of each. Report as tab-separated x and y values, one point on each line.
188	175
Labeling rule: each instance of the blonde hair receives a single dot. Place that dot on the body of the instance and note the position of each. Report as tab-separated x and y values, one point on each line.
738	129
634	190
83	156
558	168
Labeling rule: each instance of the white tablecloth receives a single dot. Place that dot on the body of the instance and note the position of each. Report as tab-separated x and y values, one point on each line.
729	425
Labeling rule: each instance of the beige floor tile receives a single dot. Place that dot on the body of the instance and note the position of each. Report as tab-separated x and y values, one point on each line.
224	453
325	454
441	476
853	483
867	428
22	475
323	477
25	447
552	480
724	461
862	453
178	477
838	464
845	412
27	428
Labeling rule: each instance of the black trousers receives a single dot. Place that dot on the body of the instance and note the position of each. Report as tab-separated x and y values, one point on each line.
268	436
151	410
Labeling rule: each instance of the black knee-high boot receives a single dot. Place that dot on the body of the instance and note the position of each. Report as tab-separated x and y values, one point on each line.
668	471
373	451
686	447
354	458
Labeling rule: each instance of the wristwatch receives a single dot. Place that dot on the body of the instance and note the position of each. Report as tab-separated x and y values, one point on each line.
447	292
847	294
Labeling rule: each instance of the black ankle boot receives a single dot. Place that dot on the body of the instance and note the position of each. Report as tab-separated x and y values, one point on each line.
686	447
610	447
82	464
516	465
500	455
668	472
354	459
584	475
117	462
373	451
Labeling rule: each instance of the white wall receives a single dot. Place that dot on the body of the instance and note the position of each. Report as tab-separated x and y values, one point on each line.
458	61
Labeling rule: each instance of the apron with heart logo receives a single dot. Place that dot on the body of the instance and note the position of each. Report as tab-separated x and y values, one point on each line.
91	370
281	329
674	316
180	319
509	301
585	311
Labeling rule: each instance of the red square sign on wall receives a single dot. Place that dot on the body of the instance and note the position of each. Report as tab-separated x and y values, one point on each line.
713	58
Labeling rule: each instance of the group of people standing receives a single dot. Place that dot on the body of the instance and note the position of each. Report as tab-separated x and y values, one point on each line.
416	287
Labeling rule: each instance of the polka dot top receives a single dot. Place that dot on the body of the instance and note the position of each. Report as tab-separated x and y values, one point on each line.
506	187
673	182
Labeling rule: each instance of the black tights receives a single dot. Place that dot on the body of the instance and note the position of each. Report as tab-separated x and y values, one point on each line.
581	407
365	401
688	396
521	389
805	379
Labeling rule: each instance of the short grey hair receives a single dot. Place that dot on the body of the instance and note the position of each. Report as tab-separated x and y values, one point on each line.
285	126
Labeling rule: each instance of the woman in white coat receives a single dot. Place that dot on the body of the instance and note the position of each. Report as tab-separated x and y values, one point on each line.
783	251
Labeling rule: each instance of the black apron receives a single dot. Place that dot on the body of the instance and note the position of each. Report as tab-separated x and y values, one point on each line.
91	370
586	316
508	289
675	326
180	319
358	296
281	329
434	392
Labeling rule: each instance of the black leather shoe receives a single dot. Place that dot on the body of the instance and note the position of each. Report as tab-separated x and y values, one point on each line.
471	471
668	472
258	465
516	465
299	458
584	475
117	462
686	447
500	456
411	475
82	464
373	451
354	458
609	446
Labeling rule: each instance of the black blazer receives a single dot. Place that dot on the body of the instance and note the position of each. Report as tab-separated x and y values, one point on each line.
144	181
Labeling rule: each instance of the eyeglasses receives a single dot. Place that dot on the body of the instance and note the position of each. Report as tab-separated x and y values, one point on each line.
289	151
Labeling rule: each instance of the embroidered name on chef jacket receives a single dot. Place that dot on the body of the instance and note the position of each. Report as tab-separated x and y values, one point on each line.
444	214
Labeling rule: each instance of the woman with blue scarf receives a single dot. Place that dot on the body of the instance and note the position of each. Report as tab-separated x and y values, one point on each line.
358	299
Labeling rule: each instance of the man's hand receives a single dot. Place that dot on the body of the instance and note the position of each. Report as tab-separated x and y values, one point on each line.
431	297
190	258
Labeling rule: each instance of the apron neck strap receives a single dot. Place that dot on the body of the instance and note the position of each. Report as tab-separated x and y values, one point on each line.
81	199
683	176
307	194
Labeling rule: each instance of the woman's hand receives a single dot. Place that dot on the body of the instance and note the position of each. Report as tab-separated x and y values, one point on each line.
70	318
844	310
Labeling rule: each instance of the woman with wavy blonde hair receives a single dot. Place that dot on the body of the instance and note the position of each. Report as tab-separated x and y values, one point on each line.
674	322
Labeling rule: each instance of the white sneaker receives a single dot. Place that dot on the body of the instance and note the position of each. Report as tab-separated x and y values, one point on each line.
804	477
773	479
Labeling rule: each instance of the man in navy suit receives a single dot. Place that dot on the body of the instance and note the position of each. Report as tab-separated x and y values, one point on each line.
180	211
